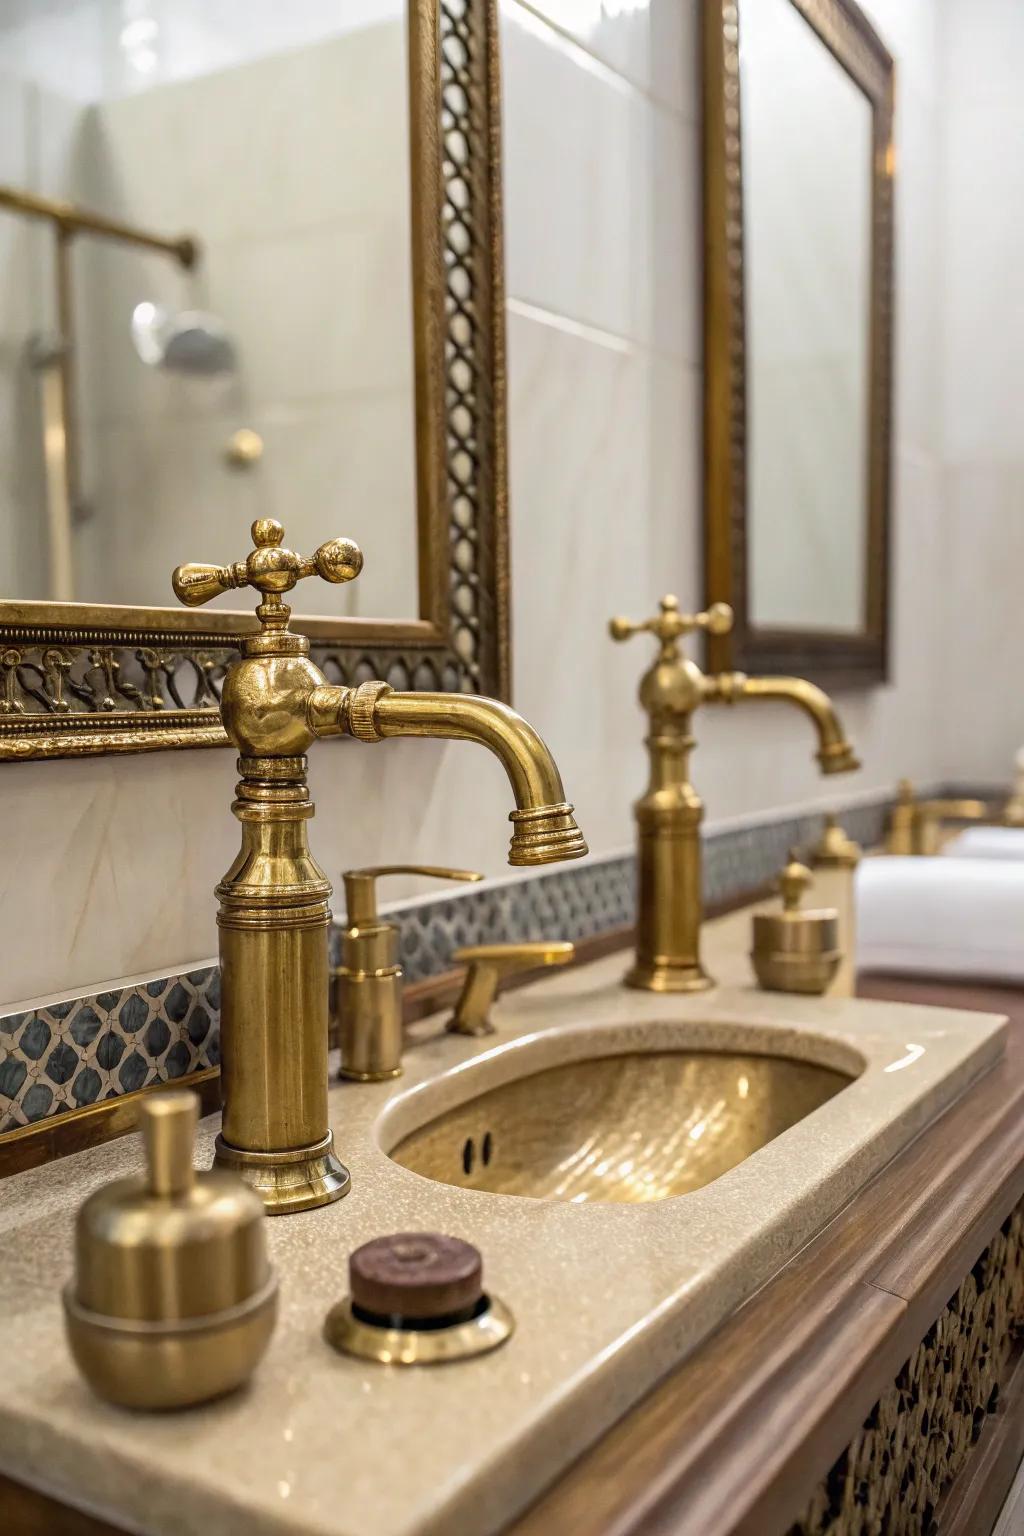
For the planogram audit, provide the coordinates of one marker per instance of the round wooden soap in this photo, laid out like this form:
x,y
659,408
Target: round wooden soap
x,y
421,1276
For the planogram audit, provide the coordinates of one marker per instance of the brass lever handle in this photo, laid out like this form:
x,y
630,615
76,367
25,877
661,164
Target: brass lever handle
x,y
668,625
488,963
269,567
361,886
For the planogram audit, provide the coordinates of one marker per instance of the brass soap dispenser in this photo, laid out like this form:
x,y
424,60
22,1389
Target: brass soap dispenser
x,y
173,1300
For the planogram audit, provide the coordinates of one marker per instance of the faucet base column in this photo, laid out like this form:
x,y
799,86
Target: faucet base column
x,y
652,977
296,1180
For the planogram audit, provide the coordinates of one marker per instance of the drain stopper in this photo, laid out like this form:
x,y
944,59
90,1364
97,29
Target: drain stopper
x,y
416,1277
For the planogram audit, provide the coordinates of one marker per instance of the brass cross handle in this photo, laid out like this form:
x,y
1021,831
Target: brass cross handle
x,y
487,964
669,624
270,568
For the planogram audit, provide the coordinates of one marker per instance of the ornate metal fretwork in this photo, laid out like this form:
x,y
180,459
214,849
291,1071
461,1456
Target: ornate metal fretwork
x,y
917,1438
68,676
63,697
94,679
473,352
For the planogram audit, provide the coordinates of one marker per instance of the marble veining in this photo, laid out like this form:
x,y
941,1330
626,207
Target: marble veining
x,y
606,1296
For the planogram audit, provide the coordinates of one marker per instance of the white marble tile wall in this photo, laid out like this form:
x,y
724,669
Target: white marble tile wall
x,y
982,419
109,865
59,44
307,265
37,132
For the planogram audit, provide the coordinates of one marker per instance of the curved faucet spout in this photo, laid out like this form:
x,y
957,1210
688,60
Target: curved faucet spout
x,y
835,754
544,829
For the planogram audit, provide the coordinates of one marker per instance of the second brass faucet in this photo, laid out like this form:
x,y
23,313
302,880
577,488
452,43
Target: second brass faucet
x,y
919,826
669,813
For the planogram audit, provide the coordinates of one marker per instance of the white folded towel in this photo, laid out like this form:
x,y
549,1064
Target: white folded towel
x,y
986,843
941,917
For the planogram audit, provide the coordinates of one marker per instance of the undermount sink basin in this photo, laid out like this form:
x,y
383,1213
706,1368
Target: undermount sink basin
x,y
628,1128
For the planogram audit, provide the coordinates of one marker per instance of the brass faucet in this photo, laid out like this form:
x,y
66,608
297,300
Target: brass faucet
x,y
274,913
669,814
916,826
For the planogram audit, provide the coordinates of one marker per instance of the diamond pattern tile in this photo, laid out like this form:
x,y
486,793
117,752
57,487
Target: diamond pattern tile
x,y
72,1054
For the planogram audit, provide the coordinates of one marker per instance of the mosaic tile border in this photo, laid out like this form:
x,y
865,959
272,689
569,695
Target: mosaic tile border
x,y
68,1055
72,1054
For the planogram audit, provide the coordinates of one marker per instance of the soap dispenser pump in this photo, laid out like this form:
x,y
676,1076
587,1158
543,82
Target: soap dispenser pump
x,y
173,1301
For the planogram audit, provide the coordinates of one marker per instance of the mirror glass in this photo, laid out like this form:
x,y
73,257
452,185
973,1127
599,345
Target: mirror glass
x,y
272,377
807,189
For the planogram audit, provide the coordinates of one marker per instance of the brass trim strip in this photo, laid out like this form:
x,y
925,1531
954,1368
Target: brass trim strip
x,y
60,1135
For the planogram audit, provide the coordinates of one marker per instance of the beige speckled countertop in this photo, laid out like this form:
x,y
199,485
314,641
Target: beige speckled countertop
x,y
607,1297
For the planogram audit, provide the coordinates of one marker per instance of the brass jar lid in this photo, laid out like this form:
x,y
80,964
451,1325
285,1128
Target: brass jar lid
x,y
173,1299
796,950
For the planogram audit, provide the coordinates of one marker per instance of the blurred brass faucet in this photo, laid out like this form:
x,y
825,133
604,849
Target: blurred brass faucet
x,y
669,814
274,913
920,826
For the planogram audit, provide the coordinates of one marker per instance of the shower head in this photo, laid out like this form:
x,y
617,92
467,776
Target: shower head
x,y
190,342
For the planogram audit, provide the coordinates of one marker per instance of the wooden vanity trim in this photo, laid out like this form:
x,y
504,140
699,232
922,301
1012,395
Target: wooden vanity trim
x,y
734,1441
27,1512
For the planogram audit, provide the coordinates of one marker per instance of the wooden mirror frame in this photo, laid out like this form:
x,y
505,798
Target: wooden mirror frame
x,y
840,659
84,678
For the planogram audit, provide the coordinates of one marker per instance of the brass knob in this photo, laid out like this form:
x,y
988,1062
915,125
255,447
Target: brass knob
x,y
244,448
488,963
669,624
173,1301
270,568
793,882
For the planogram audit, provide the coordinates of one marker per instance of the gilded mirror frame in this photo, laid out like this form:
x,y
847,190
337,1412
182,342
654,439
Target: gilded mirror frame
x,y
857,658
83,678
